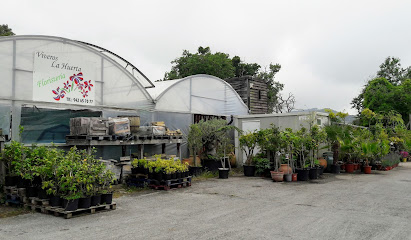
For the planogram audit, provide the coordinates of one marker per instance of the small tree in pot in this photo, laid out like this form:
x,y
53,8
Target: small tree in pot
x,y
248,142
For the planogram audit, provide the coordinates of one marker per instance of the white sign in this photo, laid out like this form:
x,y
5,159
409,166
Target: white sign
x,y
59,78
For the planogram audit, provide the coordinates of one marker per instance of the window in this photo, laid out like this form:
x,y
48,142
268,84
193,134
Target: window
x,y
259,94
319,121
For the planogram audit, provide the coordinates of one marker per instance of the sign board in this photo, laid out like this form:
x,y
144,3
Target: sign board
x,y
62,78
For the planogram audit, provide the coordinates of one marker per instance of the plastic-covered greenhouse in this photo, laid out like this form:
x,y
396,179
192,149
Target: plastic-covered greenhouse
x,y
48,80
40,78
182,102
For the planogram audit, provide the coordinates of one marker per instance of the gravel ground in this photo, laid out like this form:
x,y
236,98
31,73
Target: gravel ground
x,y
345,206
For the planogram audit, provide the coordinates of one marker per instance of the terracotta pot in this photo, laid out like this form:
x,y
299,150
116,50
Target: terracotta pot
x,y
285,169
367,169
355,166
294,176
342,166
323,162
190,160
277,176
349,168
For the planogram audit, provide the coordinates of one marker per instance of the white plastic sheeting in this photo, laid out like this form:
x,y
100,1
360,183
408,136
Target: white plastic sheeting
x,y
116,88
201,94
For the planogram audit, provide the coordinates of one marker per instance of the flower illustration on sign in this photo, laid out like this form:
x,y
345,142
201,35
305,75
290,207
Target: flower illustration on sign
x,y
67,85
88,85
76,84
84,93
60,94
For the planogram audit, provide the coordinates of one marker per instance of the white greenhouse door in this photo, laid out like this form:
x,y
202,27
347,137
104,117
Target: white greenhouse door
x,y
250,126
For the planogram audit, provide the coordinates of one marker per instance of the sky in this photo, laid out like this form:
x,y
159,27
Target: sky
x,y
327,49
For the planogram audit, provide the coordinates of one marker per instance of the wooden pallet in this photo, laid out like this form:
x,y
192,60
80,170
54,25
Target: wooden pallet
x,y
11,190
10,202
39,202
58,211
169,184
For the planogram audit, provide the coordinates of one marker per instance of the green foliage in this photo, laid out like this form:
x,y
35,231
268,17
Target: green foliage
x,y
5,30
248,142
221,65
210,135
261,164
273,87
390,90
203,62
71,174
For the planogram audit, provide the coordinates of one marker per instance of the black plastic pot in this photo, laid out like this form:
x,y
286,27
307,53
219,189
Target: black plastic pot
x,y
42,194
11,180
249,171
70,205
150,175
195,171
31,192
320,170
211,165
313,173
55,201
96,200
335,168
158,176
167,176
106,198
134,171
303,174
223,173
84,202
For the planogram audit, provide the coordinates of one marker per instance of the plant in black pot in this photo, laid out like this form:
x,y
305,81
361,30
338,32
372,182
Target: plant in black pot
x,y
195,144
12,156
248,143
262,166
107,179
301,138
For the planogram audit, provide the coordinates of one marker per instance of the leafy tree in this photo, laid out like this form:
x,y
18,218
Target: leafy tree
x,y
221,65
5,30
391,70
382,96
274,88
203,62
389,91
243,69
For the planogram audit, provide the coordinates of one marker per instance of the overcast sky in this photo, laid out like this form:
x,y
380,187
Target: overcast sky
x,y
327,50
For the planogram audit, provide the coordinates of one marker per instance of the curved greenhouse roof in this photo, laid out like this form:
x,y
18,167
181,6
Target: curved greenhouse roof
x,y
203,94
61,72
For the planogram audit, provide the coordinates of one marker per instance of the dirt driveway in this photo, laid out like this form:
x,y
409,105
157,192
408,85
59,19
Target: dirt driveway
x,y
346,206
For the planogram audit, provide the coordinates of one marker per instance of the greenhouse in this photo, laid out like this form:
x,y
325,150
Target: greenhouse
x,y
40,93
182,102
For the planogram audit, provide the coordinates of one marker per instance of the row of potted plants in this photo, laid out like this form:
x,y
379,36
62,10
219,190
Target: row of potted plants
x,y
379,143
161,169
73,179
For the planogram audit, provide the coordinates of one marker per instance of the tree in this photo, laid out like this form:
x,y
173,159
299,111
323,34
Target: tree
x,y
391,70
221,65
244,69
394,76
5,30
273,87
203,62
381,96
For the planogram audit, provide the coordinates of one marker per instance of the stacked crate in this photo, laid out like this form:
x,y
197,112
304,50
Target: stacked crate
x,y
89,126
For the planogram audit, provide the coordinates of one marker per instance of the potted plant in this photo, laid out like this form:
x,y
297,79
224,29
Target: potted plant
x,y
269,140
300,143
262,165
195,144
248,143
